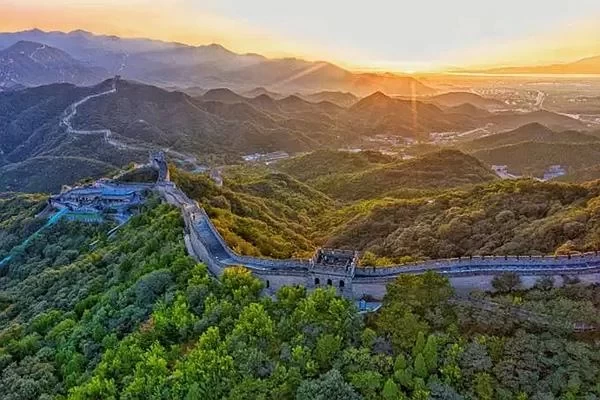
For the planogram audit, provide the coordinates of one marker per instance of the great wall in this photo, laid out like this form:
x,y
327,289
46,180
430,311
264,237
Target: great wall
x,y
339,268
204,243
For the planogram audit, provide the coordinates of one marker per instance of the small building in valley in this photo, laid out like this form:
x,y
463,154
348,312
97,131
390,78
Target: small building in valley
x,y
266,158
500,169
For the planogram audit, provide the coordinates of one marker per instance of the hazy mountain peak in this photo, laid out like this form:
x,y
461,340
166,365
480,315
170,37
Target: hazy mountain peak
x,y
263,100
34,31
534,126
378,95
260,91
29,51
81,32
293,99
216,46
377,98
223,95
25,45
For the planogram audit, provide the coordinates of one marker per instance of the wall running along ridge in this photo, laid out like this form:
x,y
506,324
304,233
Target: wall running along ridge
x,y
465,274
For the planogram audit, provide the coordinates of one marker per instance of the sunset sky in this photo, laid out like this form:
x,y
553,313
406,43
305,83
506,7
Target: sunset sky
x,y
395,35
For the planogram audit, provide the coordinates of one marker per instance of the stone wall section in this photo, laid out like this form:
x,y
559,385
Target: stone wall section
x,y
205,243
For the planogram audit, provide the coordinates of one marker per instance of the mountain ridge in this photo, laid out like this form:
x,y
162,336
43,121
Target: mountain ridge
x,y
584,66
211,66
533,132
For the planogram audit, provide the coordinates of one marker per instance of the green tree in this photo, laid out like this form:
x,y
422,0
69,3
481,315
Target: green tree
x,y
430,353
400,363
409,303
419,344
484,386
450,370
330,386
368,337
368,383
421,369
328,346
391,391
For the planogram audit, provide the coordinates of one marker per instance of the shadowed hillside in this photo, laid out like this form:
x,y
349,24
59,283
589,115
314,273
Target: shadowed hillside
x,y
528,133
193,125
17,218
48,174
531,158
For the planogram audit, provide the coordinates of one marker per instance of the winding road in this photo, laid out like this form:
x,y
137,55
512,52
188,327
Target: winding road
x,y
108,135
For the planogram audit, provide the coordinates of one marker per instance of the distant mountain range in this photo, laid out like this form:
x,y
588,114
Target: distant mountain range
x,y
589,65
178,65
342,99
456,99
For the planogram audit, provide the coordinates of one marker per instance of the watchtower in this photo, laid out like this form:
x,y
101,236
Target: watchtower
x,y
333,267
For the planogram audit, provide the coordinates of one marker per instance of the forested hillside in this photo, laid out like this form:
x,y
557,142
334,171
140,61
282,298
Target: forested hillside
x,y
528,133
64,302
531,158
369,176
48,174
504,218
132,317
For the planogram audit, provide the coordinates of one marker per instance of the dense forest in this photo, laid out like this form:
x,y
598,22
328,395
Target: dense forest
x,y
504,218
85,316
